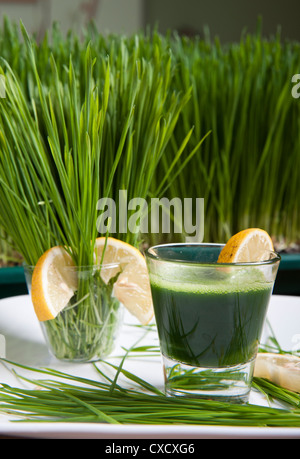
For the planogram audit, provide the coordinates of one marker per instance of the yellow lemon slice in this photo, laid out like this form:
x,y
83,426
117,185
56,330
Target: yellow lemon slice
x,y
281,369
52,285
249,245
132,287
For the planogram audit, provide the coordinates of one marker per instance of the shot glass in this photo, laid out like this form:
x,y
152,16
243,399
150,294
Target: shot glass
x,y
209,317
87,328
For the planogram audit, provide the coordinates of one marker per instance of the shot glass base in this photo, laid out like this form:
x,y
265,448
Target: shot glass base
x,y
228,384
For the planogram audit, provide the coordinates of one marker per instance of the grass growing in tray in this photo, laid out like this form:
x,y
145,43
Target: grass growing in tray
x,y
92,123
247,170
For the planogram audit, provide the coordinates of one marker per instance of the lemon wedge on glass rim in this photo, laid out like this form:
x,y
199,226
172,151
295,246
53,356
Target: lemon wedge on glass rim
x,y
53,286
249,245
132,287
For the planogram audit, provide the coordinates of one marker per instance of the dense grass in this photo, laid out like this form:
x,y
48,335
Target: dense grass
x,y
247,169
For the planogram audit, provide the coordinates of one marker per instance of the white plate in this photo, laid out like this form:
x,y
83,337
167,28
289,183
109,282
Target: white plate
x,y
25,344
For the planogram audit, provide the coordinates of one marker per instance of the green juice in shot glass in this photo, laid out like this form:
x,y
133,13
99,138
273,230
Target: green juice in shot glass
x,y
210,317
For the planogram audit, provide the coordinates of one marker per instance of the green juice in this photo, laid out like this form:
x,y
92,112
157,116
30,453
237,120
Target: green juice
x,y
210,325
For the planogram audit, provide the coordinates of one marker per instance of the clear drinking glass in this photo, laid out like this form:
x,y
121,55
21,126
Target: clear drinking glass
x,y
86,329
209,318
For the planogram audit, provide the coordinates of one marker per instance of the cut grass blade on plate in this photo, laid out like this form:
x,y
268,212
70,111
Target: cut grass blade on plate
x,y
66,402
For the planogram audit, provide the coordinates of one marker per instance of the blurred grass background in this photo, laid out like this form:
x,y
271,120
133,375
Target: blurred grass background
x,y
248,168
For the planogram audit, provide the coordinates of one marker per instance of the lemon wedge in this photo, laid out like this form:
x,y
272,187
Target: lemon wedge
x,y
281,369
249,245
52,285
132,287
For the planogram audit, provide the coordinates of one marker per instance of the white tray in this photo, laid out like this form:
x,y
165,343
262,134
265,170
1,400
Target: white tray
x,y
25,344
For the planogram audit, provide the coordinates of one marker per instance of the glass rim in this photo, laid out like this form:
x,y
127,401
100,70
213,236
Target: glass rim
x,y
150,254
